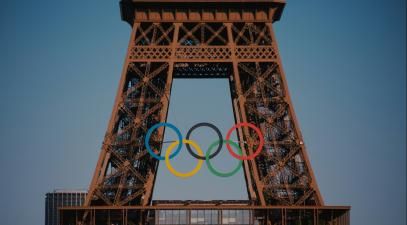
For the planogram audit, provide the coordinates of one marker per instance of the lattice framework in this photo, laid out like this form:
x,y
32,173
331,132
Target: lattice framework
x,y
235,47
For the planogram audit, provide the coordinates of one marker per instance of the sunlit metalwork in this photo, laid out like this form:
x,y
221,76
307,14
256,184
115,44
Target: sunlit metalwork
x,y
203,39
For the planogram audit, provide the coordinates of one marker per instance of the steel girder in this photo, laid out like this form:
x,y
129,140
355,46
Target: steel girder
x,y
246,53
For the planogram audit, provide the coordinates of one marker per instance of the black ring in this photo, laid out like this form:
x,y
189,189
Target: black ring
x,y
217,132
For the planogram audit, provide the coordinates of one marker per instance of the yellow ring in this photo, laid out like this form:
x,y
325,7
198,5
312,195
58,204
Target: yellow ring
x,y
179,174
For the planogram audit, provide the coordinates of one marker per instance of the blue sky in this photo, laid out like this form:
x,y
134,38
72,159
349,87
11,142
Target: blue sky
x,y
345,63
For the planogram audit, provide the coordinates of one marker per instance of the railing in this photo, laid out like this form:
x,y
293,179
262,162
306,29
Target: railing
x,y
205,53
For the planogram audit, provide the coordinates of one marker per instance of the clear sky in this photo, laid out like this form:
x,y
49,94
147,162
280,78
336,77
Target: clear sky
x,y
345,63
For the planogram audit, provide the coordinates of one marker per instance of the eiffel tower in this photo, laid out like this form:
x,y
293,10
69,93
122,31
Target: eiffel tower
x,y
205,39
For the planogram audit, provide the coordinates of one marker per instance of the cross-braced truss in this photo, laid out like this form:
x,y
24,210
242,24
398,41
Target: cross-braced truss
x,y
284,175
128,169
246,53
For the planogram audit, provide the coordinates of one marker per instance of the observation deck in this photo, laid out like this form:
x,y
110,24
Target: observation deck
x,y
201,10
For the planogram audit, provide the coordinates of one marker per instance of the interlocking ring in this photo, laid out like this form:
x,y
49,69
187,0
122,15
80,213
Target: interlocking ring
x,y
148,135
217,132
215,171
259,148
175,172
200,156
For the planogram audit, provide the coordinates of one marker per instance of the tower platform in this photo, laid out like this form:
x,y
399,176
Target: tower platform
x,y
207,212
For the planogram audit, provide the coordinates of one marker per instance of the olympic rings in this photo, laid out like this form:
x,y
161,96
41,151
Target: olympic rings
x,y
259,148
201,156
213,170
217,132
179,174
148,135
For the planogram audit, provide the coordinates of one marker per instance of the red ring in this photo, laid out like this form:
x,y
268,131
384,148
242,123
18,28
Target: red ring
x,y
259,148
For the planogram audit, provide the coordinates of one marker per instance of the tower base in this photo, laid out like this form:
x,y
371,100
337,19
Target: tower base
x,y
205,212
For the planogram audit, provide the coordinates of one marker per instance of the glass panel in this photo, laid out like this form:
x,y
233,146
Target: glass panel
x,y
241,217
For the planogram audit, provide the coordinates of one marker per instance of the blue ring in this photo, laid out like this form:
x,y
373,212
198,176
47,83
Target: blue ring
x,y
150,131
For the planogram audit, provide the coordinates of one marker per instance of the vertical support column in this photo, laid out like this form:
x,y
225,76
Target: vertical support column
x,y
251,216
104,155
76,217
61,217
287,98
188,216
93,217
220,216
250,168
267,216
165,100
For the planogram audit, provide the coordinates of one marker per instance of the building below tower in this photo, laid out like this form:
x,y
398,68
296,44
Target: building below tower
x,y
206,212
61,198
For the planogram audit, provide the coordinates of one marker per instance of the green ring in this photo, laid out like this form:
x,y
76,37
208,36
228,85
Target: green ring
x,y
212,169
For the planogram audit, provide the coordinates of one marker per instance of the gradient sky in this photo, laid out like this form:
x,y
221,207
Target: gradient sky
x,y
345,63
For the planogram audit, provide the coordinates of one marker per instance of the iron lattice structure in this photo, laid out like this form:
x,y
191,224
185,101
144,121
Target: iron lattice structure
x,y
231,39
204,39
